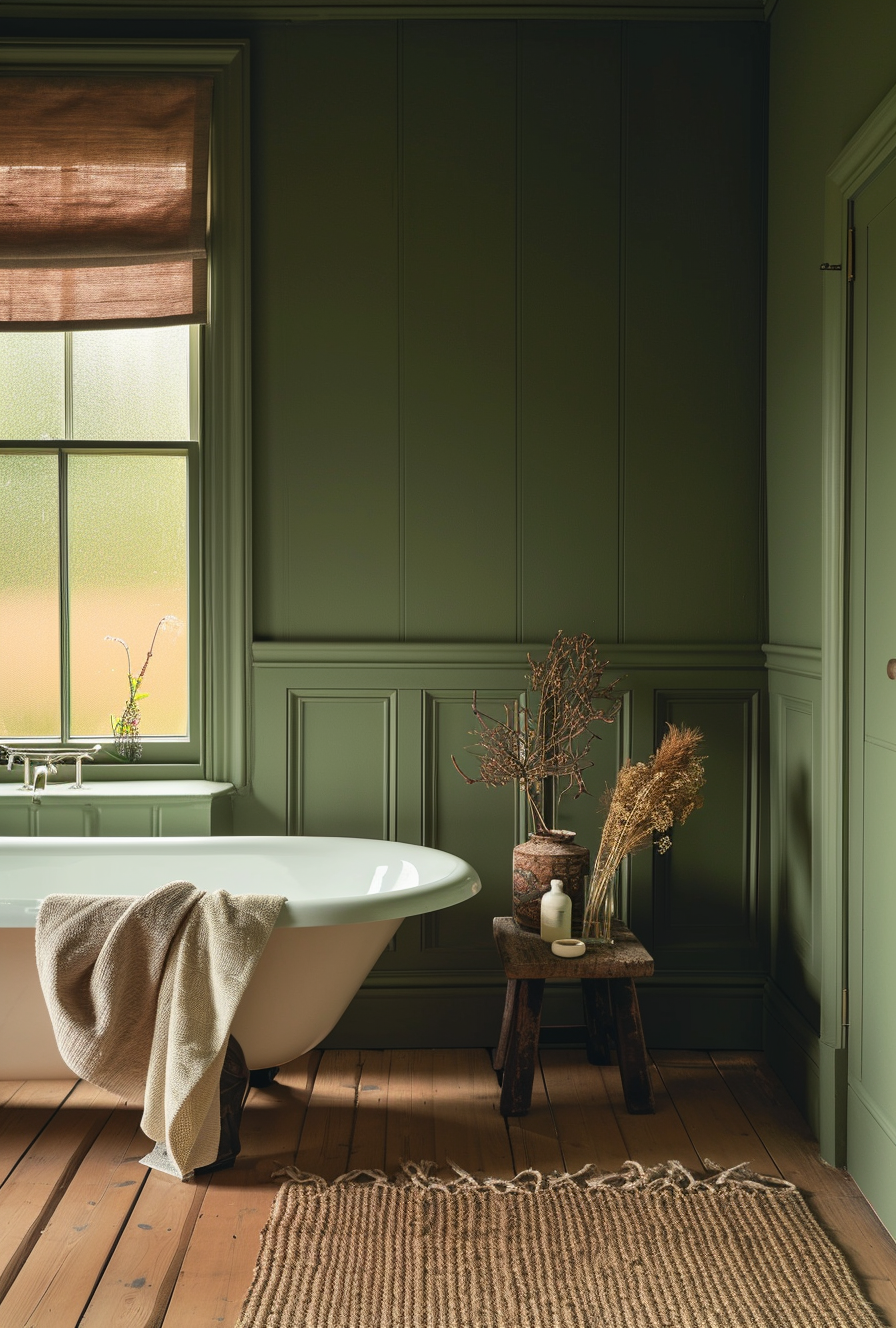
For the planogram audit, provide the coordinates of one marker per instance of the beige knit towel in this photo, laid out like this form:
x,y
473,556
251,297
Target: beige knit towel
x,y
142,992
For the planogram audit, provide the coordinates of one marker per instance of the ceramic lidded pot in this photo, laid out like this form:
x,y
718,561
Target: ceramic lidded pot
x,y
536,863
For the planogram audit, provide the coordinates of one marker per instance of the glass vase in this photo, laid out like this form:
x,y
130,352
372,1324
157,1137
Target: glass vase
x,y
599,909
603,927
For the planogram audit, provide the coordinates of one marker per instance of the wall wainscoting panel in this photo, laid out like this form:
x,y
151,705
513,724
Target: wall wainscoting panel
x,y
792,999
326,729
477,823
707,888
358,739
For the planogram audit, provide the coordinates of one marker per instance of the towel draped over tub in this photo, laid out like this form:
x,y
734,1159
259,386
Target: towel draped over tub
x,y
142,992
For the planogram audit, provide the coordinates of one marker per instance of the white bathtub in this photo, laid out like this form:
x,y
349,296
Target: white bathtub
x,y
344,901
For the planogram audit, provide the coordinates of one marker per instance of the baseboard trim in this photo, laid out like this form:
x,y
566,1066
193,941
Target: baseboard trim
x,y
872,1157
792,1047
700,1016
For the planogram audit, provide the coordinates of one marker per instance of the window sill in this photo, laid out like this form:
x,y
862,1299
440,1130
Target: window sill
x,y
143,790
132,808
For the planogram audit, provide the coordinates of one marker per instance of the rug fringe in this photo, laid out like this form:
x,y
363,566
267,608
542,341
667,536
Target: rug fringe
x,y
631,1177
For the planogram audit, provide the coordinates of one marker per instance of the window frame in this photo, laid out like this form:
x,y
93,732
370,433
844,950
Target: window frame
x,y
222,608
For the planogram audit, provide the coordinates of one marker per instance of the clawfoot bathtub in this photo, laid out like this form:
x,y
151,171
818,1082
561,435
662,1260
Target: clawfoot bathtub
x,y
345,899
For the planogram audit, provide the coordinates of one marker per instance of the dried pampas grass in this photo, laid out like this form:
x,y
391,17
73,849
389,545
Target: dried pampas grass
x,y
648,798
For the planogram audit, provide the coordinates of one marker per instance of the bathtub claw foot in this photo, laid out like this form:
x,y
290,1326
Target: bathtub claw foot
x,y
233,1092
263,1078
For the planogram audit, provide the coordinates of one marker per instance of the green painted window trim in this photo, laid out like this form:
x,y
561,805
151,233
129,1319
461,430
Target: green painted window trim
x,y
224,608
867,153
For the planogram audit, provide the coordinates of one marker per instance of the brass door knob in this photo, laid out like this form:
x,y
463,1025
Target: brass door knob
x,y
891,668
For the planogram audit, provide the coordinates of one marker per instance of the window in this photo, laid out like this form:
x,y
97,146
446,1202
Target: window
x,y
83,491
98,534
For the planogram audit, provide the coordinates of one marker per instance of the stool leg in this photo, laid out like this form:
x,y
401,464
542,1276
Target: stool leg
x,y
506,1026
522,1048
630,1047
598,1018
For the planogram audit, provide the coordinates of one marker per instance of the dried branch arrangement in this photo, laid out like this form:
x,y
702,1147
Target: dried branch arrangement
x,y
554,743
126,728
648,798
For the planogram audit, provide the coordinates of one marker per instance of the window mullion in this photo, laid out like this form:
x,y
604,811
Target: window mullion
x,y
69,434
64,641
64,651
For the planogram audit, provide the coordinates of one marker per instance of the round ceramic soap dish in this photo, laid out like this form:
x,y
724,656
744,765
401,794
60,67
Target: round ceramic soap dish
x,y
568,949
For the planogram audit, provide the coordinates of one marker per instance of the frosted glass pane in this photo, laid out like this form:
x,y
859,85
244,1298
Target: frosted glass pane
x,y
29,599
127,526
32,385
132,385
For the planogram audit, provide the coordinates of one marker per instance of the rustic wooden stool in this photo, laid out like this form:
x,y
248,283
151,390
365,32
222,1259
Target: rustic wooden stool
x,y
607,974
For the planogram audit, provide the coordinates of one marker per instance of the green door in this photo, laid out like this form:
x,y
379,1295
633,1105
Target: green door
x,y
871,1093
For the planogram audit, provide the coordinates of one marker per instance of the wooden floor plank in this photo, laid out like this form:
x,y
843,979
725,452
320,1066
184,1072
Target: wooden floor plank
x,y
185,1253
8,1089
35,1187
882,1295
585,1121
469,1128
832,1194
368,1148
669,1056
410,1109
533,1138
25,1114
651,1139
717,1125
779,1124
223,1248
326,1139
59,1276
136,1286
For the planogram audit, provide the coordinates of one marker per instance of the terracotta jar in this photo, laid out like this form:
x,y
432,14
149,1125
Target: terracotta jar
x,y
538,862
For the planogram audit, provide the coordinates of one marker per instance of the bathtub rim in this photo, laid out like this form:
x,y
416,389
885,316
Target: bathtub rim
x,y
459,881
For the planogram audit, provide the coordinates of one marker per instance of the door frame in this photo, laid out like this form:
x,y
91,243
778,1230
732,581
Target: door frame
x,y
871,149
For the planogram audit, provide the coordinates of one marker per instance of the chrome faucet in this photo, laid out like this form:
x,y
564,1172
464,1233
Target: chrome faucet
x,y
49,760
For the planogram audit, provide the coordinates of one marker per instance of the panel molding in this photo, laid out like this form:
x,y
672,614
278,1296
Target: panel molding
x,y
297,703
795,783
491,654
684,936
804,661
751,11
785,705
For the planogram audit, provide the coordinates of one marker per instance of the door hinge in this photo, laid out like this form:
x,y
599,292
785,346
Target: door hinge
x,y
844,1009
851,254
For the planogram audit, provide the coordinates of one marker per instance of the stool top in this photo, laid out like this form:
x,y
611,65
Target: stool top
x,y
525,955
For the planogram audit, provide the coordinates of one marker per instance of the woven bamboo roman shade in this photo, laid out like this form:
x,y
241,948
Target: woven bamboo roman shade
x,y
103,201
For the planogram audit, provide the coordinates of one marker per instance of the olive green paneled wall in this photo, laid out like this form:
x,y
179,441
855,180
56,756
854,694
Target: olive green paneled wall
x,y
507,325
357,739
507,298
830,66
506,302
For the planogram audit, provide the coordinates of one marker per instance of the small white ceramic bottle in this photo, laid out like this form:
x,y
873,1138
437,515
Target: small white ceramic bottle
x,y
556,914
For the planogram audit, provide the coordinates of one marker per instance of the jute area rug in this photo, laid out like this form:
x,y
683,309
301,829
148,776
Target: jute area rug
x,y
641,1248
